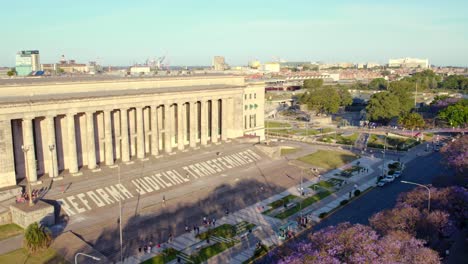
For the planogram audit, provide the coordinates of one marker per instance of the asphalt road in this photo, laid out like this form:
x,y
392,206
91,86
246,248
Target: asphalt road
x,y
421,170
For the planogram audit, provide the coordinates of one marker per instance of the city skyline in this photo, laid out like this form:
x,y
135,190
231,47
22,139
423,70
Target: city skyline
x,y
192,33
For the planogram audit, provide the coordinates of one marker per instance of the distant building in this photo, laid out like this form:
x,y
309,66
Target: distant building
x,y
371,65
140,70
255,64
27,61
408,63
272,67
219,63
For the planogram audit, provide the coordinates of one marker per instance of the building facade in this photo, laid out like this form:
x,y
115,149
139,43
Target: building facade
x,y
408,63
219,63
62,129
27,61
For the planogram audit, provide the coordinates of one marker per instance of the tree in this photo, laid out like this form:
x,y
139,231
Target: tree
x,y
36,238
351,244
456,154
322,100
345,97
458,82
383,107
11,72
402,90
313,83
412,121
378,84
457,114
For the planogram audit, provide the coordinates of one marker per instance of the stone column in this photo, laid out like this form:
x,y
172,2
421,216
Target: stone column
x,y
90,140
224,119
204,122
180,126
52,146
140,133
125,140
214,121
108,138
28,143
193,127
154,131
167,129
72,155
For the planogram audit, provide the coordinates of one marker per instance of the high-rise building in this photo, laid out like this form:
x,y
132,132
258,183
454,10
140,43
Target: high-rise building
x,y
219,64
27,61
409,63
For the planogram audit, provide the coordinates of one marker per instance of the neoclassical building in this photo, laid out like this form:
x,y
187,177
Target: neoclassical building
x,y
52,129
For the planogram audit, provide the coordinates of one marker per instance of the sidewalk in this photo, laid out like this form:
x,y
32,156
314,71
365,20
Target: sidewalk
x,y
266,226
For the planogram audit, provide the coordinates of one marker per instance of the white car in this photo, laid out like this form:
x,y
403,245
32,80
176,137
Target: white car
x,y
381,183
389,178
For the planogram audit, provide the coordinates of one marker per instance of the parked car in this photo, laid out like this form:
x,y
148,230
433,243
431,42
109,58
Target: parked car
x,y
381,183
389,178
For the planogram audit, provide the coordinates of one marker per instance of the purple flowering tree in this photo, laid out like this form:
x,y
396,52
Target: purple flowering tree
x,y
456,154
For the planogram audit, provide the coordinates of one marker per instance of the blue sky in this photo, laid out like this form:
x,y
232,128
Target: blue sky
x,y
192,32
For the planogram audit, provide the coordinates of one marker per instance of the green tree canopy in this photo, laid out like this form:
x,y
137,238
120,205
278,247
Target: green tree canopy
x,y
458,82
345,97
383,106
402,90
323,100
457,114
378,84
313,84
412,121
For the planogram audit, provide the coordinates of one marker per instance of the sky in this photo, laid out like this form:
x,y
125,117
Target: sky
x,y
188,33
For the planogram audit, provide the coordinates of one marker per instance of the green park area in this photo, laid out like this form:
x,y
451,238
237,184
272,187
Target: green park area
x,y
328,159
273,124
393,143
304,203
166,256
286,150
328,184
22,256
341,138
207,252
281,202
10,230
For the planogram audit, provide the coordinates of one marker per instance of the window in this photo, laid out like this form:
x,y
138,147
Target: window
x,y
255,95
246,107
245,96
250,96
255,120
245,122
250,121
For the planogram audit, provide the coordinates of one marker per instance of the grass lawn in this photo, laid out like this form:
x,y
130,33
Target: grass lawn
x,y
168,255
306,202
22,256
225,230
273,124
286,151
210,251
328,159
395,143
323,184
10,230
340,139
278,203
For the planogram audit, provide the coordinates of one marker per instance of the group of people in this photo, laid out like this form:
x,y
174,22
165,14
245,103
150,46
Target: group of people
x,y
146,248
23,197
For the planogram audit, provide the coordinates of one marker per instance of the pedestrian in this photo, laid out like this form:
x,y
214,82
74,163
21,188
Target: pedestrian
x,y
208,240
213,221
149,249
204,220
194,228
170,237
139,249
187,228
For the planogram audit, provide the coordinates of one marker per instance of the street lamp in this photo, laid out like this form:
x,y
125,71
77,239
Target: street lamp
x,y
120,223
25,152
51,148
384,148
86,255
428,189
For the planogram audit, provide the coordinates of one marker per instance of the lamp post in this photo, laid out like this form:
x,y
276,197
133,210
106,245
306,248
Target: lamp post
x,y
51,148
120,223
428,190
25,152
86,255
384,148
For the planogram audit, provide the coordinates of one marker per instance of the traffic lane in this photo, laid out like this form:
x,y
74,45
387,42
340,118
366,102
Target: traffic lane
x,y
421,170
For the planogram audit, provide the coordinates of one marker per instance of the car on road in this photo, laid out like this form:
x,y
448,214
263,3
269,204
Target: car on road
x,y
389,178
436,149
396,174
381,183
